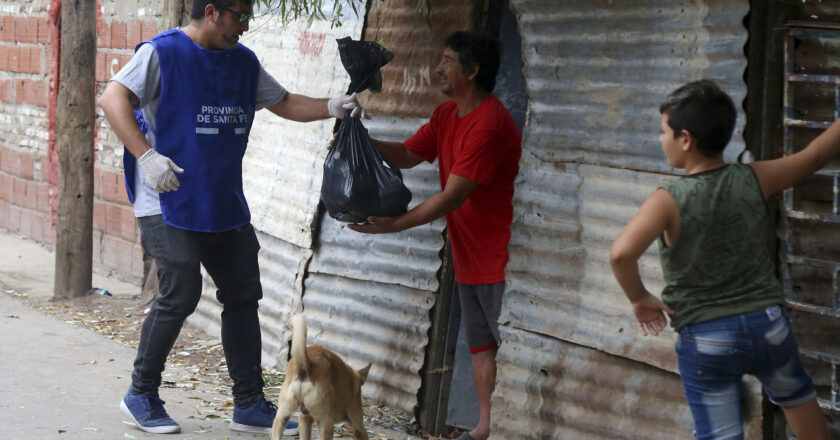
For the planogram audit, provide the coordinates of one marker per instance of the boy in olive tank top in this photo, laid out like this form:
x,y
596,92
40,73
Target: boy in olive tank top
x,y
721,291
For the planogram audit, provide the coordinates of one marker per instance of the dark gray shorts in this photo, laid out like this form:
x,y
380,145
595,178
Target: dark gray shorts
x,y
481,305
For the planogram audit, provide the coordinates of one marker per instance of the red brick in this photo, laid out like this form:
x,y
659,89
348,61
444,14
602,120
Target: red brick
x,y
39,228
4,57
108,186
103,31
113,188
129,224
23,59
40,90
7,186
100,67
25,224
32,29
97,184
14,59
20,29
113,219
20,164
133,34
44,197
6,91
98,215
4,214
19,86
118,30
35,56
148,30
43,31
8,26
31,196
4,159
117,253
97,248
29,90
14,218
19,196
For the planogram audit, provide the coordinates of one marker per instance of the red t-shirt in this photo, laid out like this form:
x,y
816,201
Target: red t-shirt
x,y
483,146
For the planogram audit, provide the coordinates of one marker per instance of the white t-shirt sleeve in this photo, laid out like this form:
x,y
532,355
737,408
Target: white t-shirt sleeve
x,y
269,91
142,75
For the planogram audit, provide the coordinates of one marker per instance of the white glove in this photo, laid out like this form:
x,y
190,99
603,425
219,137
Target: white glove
x,y
337,105
158,170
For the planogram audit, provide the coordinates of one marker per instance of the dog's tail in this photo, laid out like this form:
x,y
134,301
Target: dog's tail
x,y
299,342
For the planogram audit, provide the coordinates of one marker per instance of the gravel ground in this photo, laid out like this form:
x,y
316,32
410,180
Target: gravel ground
x,y
120,317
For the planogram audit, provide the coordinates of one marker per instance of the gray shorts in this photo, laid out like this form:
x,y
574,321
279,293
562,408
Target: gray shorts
x,y
481,305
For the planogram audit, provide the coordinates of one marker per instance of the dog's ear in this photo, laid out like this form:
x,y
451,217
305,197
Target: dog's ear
x,y
363,373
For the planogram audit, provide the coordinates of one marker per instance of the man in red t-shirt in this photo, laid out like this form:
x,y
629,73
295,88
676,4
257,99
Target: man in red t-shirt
x,y
477,145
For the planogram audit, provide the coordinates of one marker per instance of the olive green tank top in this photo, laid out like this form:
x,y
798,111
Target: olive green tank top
x,y
721,263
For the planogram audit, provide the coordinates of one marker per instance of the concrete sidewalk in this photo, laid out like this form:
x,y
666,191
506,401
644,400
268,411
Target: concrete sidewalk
x,y
59,380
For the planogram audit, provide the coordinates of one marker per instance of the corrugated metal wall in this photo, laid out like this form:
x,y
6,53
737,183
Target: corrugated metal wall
x,y
596,72
369,297
410,84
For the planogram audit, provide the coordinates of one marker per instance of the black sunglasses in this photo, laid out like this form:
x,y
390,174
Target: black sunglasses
x,y
243,16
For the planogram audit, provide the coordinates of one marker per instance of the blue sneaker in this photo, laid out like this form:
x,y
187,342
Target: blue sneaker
x,y
148,413
258,418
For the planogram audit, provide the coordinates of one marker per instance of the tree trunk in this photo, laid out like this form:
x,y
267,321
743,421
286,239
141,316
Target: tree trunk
x,y
75,119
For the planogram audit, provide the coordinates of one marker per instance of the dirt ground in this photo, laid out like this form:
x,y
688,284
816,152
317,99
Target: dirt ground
x,y
120,317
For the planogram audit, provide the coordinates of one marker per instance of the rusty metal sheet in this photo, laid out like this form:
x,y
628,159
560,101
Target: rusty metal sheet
x,y
370,322
548,388
282,168
410,258
559,280
410,85
282,269
376,291
597,71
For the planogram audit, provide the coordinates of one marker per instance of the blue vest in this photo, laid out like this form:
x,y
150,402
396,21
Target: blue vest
x,y
204,117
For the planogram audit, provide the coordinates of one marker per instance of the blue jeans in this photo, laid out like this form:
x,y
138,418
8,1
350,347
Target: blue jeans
x,y
230,258
714,355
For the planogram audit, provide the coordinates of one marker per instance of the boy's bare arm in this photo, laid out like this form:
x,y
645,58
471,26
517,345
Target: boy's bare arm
x,y
779,174
657,215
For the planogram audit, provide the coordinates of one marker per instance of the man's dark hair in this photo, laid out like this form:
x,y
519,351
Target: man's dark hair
x,y
477,49
705,111
199,5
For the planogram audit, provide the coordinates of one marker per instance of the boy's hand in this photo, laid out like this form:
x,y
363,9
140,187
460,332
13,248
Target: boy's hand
x,y
649,314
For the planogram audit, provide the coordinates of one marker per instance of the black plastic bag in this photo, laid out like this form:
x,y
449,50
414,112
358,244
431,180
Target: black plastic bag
x,y
358,181
362,60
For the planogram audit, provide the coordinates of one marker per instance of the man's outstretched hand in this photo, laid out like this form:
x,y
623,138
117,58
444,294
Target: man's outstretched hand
x,y
339,104
377,225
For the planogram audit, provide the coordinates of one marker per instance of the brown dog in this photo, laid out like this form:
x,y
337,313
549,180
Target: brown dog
x,y
325,389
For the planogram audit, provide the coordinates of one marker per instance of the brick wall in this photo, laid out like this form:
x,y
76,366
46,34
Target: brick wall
x,y
28,166
116,237
24,126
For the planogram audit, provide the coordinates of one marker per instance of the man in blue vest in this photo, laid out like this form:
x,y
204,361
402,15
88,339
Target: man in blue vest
x,y
195,90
